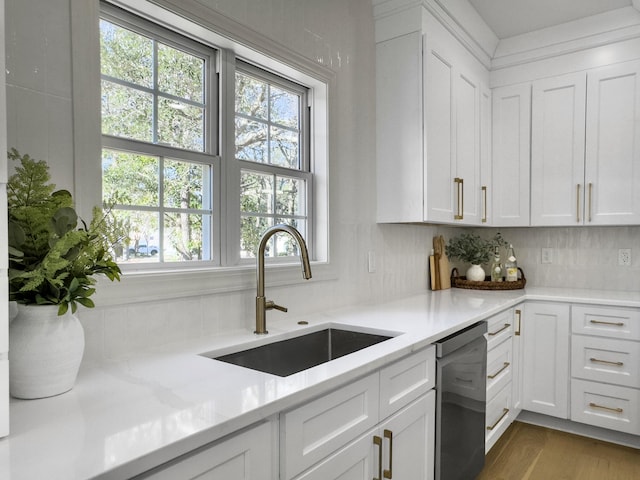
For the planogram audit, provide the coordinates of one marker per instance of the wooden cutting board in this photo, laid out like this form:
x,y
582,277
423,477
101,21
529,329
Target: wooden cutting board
x,y
443,266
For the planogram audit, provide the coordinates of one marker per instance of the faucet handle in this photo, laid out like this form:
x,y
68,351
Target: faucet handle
x,y
270,304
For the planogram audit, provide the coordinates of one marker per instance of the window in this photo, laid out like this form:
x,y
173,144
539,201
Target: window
x,y
271,147
157,161
160,97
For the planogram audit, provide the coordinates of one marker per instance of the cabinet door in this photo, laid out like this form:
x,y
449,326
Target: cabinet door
x,y
401,448
439,111
409,441
485,157
356,461
246,456
545,337
517,375
557,150
399,129
467,152
613,145
313,431
511,142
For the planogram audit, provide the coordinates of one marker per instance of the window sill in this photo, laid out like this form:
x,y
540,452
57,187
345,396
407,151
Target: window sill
x,y
138,287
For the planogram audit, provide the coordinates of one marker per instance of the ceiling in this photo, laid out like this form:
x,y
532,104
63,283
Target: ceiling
x,y
513,17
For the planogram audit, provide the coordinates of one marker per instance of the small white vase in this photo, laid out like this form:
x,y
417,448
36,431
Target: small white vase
x,y
475,273
45,351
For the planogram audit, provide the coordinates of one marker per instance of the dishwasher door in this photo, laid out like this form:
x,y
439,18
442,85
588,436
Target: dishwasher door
x,y
461,372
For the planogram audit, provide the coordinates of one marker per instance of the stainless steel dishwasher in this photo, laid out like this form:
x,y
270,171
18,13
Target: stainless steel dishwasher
x,y
461,369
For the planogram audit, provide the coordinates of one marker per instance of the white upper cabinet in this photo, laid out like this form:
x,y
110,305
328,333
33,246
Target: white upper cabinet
x,y
585,149
612,157
511,155
557,150
431,133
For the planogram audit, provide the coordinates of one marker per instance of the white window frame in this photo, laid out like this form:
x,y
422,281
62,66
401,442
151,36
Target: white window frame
x,y
192,19
208,156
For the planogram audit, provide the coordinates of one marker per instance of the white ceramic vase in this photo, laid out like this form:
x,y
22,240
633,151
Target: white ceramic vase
x,y
45,351
475,273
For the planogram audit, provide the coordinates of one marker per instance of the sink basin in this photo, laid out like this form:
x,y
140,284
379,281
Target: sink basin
x,y
293,355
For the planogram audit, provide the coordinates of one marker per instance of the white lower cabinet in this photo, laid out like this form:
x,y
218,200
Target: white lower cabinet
x,y
502,374
384,421
401,447
545,353
607,406
249,455
605,367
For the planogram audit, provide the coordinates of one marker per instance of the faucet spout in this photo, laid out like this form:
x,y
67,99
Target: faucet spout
x,y
262,304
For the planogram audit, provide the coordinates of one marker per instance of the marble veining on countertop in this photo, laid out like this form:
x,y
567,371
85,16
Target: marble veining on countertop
x,y
127,415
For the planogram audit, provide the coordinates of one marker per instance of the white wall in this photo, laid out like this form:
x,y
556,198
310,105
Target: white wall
x,y
338,34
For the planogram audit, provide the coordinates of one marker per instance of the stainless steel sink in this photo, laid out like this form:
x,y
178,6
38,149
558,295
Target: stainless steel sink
x,y
293,355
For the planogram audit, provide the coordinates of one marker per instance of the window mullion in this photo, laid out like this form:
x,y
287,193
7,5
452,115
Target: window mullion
x,y
154,122
161,204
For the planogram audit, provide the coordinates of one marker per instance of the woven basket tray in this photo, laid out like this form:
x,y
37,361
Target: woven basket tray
x,y
462,282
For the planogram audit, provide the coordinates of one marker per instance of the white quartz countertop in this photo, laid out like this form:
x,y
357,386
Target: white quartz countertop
x,y
128,415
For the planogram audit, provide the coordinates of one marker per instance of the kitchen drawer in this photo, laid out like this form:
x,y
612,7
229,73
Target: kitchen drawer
x,y
318,428
612,322
607,406
499,328
499,367
407,379
498,416
606,360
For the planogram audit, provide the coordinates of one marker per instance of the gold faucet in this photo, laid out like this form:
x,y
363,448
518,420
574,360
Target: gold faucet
x,y
262,304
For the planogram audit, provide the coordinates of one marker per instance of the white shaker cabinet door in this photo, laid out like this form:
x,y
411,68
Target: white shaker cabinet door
x,y
545,342
612,158
511,157
442,199
247,456
557,150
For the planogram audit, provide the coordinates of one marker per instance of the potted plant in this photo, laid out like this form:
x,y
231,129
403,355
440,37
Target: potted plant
x,y
473,249
53,258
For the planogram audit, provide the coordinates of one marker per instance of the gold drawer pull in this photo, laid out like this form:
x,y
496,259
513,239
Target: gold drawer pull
x,y
506,364
504,413
389,473
460,194
506,325
602,322
519,314
378,441
484,194
595,405
607,362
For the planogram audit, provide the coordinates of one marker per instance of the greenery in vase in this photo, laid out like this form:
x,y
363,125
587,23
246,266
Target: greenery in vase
x,y
473,249
53,260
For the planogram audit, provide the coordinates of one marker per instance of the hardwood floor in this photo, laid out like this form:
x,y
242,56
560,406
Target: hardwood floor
x,y
529,452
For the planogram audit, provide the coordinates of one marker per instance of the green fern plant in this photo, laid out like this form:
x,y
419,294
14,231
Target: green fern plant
x,y
54,255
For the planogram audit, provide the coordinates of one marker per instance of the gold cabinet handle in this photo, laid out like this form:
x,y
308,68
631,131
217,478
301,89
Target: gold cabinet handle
x,y
378,441
505,365
506,325
578,204
504,413
590,191
606,362
389,435
460,193
602,322
519,315
484,196
595,405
